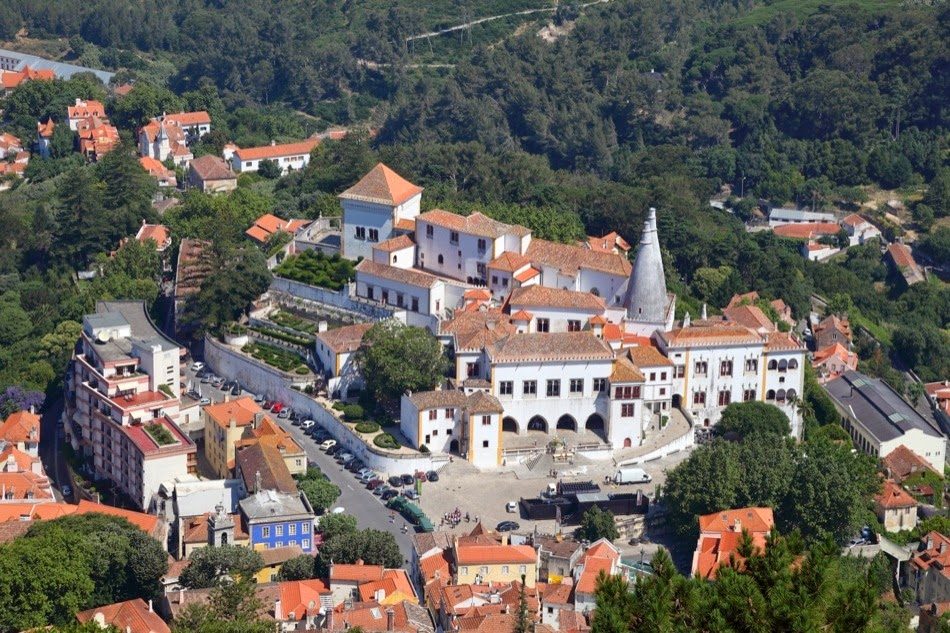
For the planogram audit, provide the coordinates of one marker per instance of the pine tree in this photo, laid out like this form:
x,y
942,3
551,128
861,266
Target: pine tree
x,y
523,623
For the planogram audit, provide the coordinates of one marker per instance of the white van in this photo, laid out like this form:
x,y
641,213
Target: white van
x,y
632,476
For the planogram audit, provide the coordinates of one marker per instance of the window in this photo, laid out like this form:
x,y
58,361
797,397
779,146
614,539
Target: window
x,y
486,420
494,280
505,388
435,433
553,388
773,364
504,282
725,397
600,384
663,375
360,233
265,532
701,367
278,530
449,413
627,393
292,529
577,385
385,296
480,269
464,570
472,369
725,368
699,398
748,395
433,414
415,304
453,237
679,372
374,235
529,387
369,293
543,325
279,544
770,394
662,391
522,569
626,410
573,325
484,443
441,259
430,231
482,246
483,570
504,569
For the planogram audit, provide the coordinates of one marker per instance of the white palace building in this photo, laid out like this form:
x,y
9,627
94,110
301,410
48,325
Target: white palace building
x,y
549,337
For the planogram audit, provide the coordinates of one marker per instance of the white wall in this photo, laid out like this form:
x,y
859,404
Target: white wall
x,y
931,448
429,300
460,261
365,215
557,317
157,470
606,285
484,449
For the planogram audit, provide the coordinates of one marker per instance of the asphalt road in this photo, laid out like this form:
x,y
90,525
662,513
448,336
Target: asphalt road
x,y
54,462
354,497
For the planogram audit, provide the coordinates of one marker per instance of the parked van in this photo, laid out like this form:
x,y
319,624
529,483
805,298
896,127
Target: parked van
x,y
632,476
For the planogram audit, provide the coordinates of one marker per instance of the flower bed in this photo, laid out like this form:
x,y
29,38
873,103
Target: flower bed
x,y
160,434
275,357
385,440
367,427
293,322
280,335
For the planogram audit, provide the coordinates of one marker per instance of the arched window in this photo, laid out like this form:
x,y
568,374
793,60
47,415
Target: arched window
x,y
791,394
770,394
780,396
594,291
772,363
793,364
441,259
783,365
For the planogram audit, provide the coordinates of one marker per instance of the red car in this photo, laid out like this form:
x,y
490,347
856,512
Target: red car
x,y
374,484
277,408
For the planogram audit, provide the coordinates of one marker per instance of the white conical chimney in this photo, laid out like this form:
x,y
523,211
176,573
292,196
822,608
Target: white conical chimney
x,y
646,298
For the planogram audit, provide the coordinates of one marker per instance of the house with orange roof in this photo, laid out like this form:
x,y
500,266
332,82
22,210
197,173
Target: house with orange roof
x,y
720,534
11,79
224,425
84,109
26,512
498,563
345,579
602,557
555,309
380,206
131,616
158,233
157,170
22,461
21,430
859,229
268,225
268,433
303,601
9,145
424,296
902,462
336,351
170,136
97,137
807,230
832,361
393,587
831,330
372,617
895,508
398,251
751,316
44,136
211,174
609,243
927,573
902,261
18,485
287,156
511,270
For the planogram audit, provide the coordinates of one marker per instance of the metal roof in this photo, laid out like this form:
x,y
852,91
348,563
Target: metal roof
x,y
62,70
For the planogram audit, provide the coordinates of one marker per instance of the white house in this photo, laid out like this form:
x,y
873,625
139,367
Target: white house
x,y
509,271
657,372
879,419
816,251
716,363
467,334
84,109
859,230
573,267
398,252
335,349
379,206
451,421
554,309
408,289
288,156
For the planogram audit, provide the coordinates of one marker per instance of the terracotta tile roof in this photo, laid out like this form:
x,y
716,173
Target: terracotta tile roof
x,y
24,485
853,220
602,548
280,555
647,356
569,258
10,79
157,232
425,542
277,150
509,262
477,294
268,224
522,315
268,433
148,523
131,616
437,565
933,553
401,275
557,594
538,296
12,530
751,519
625,371
525,275
555,346
10,143
23,461
750,316
302,597
210,167
83,109
587,582
474,330
838,351
241,409
346,338
96,136
372,617
710,335
806,230
483,402
835,322
475,224
22,426
570,621
397,243
34,510
439,399
195,529
405,224
382,186
900,254
45,129
189,118
395,586
747,298
358,572
268,461
154,167
893,496
495,554
782,342
176,136
607,243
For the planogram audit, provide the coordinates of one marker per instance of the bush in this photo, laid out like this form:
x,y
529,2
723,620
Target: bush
x,y
385,440
352,412
339,406
424,449
302,371
367,427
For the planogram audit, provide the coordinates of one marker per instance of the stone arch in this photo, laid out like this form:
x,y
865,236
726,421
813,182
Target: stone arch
x,y
454,446
595,424
538,423
509,425
780,395
441,259
566,422
791,395
677,400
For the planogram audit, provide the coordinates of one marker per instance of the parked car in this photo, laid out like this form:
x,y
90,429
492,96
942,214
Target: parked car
x,y
410,494
205,379
381,489
217,382
395,481
347,458
267,405
204,401
389,494
338,510
407,480
197,366
306,424
354,465
507,526
284,414
277,408
344,455
319,435
365,470
334,449
367,477
373,484
432,475
258,399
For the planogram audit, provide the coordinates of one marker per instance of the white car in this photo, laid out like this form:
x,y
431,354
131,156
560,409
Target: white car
x,y
197,366
338,510
306,424
327,445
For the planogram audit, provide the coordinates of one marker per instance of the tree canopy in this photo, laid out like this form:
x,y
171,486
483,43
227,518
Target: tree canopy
x,y
741,419
395,358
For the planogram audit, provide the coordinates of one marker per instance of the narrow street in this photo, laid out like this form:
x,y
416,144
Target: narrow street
x,y
51,453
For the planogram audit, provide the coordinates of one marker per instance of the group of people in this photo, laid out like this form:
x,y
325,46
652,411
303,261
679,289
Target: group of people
x,y
455,517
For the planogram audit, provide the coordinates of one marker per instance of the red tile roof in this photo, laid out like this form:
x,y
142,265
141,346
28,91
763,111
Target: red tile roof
x,y
302,598
382,186
625,371
853,220
189,118
901,255
537,296
22,426
607,243
397,243
148,523
494,554
10,79
157,232
933,553
268,224
525,275
474,330
647,356
23,461
45,129
748,298
24,485
241,409
394,581
131,616
554,346
721,534
750,316
717,334
751,519
401,275
358,572
84,109
892,496
509,262
347,338
587,582
435,565
210,167
277,150
569,258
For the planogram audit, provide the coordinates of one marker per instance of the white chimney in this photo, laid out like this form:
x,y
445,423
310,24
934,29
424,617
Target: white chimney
x,y
322,326
278,611
704,312
150,610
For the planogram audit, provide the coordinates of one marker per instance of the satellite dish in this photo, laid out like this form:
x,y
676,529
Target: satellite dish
x,y
102,336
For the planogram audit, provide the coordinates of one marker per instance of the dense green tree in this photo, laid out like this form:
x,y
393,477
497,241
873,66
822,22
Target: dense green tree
x,y
144,101
299,568
233,608
597,524
237,276
332,525
741,419
373,547
938,193
15,323
210,566
127,184
395,358
268,169
320,491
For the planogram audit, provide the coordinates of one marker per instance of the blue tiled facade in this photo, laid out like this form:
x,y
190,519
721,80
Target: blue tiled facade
x,y
276,519
283,533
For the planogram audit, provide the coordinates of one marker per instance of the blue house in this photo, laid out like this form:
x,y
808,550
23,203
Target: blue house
x,y
278,519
